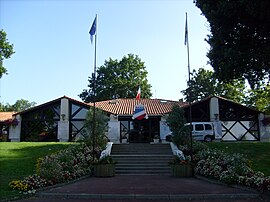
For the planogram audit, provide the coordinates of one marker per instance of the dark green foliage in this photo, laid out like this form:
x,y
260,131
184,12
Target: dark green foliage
x,y
101,126
19,105
176,121
6,50
204,83
259,98
240,38
119,79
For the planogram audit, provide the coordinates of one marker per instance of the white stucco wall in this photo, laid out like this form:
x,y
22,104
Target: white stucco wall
x,y
64,109
237,130
114,129
63,124
264,130
164,129
265,134
63,131
15,131
214,109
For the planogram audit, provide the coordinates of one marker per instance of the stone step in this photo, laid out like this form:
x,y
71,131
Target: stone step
x,y
128,147
140,159
145,172
142,151
141,155
141,167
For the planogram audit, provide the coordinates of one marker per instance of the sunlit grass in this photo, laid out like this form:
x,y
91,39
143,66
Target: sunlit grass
x,y
18,159
257,152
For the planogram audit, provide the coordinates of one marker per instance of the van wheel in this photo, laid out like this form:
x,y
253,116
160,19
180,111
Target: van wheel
x,y
207,138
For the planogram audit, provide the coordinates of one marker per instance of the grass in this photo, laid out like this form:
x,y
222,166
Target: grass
x,y
257,152
18,159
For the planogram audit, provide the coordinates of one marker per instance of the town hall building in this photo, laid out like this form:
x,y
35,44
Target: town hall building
x,y
63,119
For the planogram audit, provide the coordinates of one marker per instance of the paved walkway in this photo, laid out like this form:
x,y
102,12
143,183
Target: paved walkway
x,y
145,188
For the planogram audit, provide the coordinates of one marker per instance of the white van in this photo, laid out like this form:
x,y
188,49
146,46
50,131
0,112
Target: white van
x,y
202,131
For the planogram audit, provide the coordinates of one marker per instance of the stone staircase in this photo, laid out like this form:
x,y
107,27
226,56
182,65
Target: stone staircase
x,y
142,158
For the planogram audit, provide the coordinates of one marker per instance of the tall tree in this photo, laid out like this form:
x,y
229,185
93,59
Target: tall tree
x,y
119,79
6,50
205,83
19,105
240,38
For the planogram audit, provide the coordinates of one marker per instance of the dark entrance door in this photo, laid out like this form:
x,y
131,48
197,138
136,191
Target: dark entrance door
x,y
139,131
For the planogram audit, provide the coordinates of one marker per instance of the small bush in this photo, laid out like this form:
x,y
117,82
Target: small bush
x,y
176,121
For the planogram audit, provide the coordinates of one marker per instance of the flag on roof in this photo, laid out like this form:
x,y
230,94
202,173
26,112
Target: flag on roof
x,y
93,29
138,96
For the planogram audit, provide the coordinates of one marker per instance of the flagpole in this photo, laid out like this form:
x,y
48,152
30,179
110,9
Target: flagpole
x,y
94,91
189,94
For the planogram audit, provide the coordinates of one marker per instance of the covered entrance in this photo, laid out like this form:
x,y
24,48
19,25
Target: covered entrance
x,y
139,131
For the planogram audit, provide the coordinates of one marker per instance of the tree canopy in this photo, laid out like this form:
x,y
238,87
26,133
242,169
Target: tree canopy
x,y
240,38
6,50
19,105
204,83
259,98
119,79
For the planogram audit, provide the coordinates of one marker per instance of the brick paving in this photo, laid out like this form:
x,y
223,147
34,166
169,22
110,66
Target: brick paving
x,y
146,188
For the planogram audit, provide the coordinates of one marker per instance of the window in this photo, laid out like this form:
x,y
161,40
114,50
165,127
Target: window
x,y
199,127
208,127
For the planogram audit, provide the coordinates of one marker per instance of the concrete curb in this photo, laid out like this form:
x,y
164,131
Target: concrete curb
x,y
147,196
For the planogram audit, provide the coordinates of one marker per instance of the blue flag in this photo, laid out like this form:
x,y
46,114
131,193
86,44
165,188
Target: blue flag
x,y
93,29
186,32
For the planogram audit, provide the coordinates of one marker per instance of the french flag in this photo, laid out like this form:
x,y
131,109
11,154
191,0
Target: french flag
x,y
138,96
139,112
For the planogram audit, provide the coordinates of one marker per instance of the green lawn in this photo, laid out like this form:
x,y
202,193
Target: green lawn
x,y
257,152
18,159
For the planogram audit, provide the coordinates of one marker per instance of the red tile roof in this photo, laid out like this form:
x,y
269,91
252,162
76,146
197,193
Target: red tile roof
x,y
4,116
126,106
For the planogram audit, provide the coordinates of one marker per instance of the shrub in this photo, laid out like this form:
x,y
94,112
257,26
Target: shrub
x,y
101,126
176,121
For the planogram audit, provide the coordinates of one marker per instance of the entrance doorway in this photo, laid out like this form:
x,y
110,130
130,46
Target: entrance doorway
x,y
139,131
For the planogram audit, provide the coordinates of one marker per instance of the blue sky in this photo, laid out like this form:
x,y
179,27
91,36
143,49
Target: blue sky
x,y
54,55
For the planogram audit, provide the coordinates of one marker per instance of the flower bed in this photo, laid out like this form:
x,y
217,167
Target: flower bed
x,y
229,168
63,166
